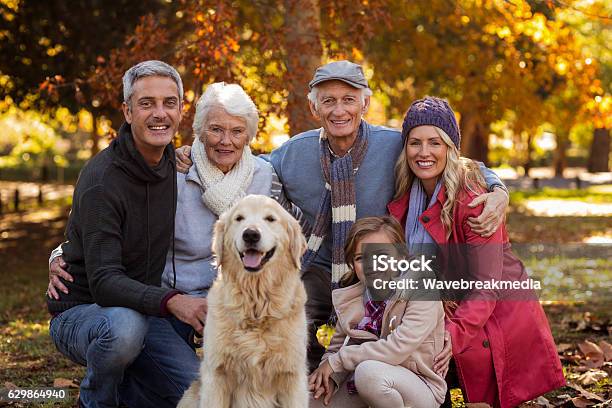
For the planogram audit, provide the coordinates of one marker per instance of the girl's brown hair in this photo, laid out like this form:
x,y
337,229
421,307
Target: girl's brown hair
x,y
360,229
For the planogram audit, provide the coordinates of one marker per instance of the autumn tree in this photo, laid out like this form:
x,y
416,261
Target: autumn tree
x,y
303,52
487,57
591,25
54,46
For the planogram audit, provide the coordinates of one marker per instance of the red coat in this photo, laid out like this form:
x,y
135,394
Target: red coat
x,y
504,351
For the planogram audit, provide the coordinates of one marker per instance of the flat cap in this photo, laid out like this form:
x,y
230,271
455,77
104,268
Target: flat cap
x,y
344,71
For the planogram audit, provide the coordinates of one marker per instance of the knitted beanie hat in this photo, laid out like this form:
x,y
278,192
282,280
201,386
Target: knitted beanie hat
x,y
434,112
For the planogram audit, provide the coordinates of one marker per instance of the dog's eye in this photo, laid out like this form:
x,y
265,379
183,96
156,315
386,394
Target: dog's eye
x,y
270,218
239,218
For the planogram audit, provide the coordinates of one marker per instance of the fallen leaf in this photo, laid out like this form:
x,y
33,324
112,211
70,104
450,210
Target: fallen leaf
x,y
585,393
543,402
10,385
581,402
64,383
582,369
592,377
593,354
562,347
607,349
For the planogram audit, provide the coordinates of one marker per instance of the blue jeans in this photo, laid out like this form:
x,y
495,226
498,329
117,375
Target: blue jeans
x,y
184,330
136,359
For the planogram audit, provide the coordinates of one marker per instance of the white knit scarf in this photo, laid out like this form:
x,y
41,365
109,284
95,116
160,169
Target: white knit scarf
x,y
221,190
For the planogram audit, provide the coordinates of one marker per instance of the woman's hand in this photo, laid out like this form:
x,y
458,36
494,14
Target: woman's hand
x,y
442,360
493,213
183,160
319,382
56,271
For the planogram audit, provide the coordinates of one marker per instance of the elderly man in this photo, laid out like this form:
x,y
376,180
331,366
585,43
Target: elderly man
x,y
111,317
342,172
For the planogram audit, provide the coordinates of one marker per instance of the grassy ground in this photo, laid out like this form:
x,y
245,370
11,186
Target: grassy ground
x,y
593,194
28,359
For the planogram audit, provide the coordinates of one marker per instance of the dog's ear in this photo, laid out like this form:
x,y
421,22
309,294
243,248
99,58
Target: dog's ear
x,y
298,242
219,233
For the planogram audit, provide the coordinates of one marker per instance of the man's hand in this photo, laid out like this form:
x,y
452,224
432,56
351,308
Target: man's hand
x,y
183,160
493,214
57,270
319,383
442,360
189,309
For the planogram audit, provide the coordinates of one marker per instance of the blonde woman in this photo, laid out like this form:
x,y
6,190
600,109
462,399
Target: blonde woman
x,y
503,350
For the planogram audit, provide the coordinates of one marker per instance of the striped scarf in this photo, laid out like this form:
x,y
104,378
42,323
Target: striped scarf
x,y
337,204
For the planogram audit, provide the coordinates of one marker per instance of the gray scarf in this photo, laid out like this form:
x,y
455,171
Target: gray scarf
x,y
417,237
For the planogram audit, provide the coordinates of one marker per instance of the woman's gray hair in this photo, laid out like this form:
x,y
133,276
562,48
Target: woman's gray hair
x,y
146,69
314,92
232,99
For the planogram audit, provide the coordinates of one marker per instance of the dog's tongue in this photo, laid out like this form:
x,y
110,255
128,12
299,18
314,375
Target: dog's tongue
x,y
252,259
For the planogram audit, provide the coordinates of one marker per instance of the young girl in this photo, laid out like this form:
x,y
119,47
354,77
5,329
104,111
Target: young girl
x,y
503,350
382,352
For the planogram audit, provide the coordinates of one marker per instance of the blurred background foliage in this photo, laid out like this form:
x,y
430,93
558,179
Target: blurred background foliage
x,y
530,80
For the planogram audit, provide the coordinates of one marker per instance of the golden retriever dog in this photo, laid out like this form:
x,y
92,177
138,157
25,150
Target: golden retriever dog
x,y
255,332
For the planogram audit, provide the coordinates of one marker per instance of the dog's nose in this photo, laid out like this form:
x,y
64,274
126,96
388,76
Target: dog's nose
x,y
251,236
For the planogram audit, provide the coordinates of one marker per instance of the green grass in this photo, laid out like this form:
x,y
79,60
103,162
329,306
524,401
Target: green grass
x,y
594,194
566,279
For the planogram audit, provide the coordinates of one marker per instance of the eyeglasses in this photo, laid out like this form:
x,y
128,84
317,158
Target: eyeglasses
x,y
218,132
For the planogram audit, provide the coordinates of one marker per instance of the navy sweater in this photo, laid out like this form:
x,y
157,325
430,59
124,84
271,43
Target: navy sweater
x,y
119,230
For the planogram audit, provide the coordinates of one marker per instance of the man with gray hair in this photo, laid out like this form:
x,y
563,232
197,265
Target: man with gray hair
x,y
111,318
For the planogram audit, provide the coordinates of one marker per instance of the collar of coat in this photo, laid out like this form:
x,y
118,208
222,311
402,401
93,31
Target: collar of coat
x,y
430,218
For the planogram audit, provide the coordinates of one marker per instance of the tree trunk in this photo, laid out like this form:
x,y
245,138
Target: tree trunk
x,y
600,151
474,137
529,153
303,52
560,156
95,138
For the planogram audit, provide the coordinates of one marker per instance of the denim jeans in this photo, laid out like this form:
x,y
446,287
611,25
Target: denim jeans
x,y
184,330
136,359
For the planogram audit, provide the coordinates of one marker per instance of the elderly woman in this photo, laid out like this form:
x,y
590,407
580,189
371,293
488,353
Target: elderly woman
x,y
224,171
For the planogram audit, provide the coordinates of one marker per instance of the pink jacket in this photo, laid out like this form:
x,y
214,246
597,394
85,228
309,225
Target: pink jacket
x,y
504,351
412,335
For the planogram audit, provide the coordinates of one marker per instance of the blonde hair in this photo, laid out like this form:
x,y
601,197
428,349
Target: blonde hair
x,y
459,173
358,231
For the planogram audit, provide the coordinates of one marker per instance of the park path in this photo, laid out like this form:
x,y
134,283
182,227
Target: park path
x,y
29,194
